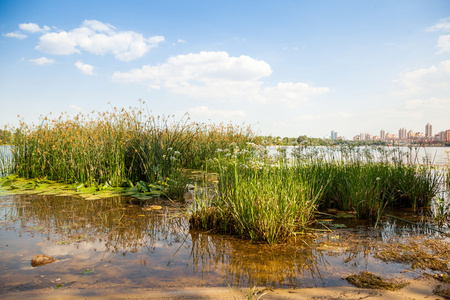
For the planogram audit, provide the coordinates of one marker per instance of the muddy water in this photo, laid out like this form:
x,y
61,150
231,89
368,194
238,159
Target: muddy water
x,y
116,243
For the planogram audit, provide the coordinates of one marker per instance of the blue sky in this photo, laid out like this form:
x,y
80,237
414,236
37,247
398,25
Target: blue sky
x,y
287,68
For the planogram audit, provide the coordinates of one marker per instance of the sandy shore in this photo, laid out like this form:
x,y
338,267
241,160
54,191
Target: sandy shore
x,y
417,289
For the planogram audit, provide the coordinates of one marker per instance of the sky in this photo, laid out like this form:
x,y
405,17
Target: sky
x,y
286,68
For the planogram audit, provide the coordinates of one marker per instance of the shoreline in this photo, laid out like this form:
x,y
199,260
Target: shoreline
x,y
420,288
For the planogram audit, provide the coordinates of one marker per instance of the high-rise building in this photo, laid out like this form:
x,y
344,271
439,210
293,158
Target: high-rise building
x,y
382,135
447,136
428,131
402,134
334,135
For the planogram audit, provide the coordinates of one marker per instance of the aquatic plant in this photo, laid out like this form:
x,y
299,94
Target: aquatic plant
x,y
258,197
116,148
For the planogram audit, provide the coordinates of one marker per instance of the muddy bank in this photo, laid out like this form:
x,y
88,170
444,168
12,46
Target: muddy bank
x,y
421,288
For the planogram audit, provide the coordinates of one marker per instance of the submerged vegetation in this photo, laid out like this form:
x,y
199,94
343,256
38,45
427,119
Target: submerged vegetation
x,y
372,281
252,193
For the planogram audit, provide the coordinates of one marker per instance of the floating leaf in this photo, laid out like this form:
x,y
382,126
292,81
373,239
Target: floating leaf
x,y
87,272
37,228
145,197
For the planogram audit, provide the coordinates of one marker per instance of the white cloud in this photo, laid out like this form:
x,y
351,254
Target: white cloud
x,y
444,25
444,40
435,79
291,94
204,111
436,104
204,74
33,28
43,61
339,115
444,43
181,41
98,38
216,75
75,107
16,35
85,68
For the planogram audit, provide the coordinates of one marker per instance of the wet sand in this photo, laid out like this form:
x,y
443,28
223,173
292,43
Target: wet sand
x,y
421,288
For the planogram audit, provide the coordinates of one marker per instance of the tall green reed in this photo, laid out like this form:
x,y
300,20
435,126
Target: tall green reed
x,y
116,148
258,197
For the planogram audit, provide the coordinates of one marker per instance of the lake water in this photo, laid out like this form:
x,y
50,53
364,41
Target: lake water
x,y
115,243
416,155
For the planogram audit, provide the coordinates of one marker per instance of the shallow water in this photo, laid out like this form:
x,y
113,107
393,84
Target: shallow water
x,y
438,156
116,243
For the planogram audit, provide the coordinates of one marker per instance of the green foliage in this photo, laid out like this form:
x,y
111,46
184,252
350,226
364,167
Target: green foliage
x,y
273,198
117,148
258,197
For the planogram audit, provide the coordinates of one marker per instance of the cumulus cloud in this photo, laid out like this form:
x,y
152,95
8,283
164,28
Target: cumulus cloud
x,y
205,111
220,76
33,28
434,79
98,38
43,61
444,43
443,24
204,74
291,94
443,40
16,35
85,68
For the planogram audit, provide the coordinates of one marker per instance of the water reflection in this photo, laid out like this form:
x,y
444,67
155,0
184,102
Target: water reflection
x,y
128,245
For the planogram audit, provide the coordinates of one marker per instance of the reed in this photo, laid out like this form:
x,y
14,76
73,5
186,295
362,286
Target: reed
x,y
117,148
370,179
258,197
273,198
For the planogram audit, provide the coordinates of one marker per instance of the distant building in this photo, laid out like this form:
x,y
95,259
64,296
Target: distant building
x,y
382,135
428,131
411,134
334,135
447,136
402,134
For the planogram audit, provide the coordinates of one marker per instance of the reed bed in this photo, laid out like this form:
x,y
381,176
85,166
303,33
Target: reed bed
x,y
117,148
273,198
257,196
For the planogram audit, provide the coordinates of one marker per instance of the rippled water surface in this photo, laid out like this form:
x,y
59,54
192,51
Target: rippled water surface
x,y
117,243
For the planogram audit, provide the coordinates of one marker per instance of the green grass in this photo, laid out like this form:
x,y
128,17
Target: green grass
x,y
271,199
258,197
116,148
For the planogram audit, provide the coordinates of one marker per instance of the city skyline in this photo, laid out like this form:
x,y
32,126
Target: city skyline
x,y
404,134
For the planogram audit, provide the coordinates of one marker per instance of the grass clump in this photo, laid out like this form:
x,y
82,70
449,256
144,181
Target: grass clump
x,y
369,180
369,280
258,197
